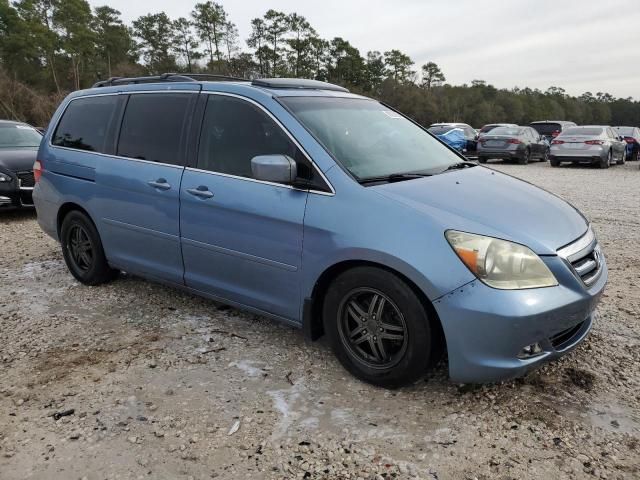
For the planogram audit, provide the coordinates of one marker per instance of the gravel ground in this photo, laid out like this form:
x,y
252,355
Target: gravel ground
x,y
135,380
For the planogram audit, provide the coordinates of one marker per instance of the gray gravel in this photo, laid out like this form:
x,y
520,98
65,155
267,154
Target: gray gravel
x,y
134,380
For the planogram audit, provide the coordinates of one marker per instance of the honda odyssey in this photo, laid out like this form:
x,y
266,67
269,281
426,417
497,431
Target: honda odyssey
x,y
329,211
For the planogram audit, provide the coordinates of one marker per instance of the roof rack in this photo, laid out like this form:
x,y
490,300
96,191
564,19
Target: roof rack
x,y
167,77
300,83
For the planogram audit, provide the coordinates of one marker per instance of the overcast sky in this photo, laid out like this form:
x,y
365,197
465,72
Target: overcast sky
x,y
580,45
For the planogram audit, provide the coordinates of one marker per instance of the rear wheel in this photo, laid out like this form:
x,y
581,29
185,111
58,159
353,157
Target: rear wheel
x,y
554,162
378,327
482,159
607,161
524,159
82,250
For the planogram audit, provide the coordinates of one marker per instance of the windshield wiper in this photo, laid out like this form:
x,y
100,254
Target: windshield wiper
x,y
394,177
459,165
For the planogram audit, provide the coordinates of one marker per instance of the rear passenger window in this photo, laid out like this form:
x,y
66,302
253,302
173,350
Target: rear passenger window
x,y
85,123
233,132
154,126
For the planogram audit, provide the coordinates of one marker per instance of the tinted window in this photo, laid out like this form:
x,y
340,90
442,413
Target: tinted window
x,y
15,136
234,131
85,123
153,127
547,128
488,128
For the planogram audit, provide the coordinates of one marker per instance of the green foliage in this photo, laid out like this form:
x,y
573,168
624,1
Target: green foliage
x,y
48,47
155,33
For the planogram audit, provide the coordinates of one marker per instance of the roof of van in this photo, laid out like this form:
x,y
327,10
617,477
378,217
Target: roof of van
x,y
278,87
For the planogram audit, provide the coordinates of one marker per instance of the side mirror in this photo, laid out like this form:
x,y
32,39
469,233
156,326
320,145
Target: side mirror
x,y
274,168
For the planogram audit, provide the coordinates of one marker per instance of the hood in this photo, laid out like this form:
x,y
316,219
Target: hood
x,y
18,159
486,202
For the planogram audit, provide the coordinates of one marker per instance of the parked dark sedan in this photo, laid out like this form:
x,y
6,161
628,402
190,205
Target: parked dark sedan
x,y
19,144
632,137
513,143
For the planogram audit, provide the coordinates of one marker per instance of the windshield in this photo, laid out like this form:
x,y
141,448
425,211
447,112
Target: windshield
x,y
510,131
369,139
582,131
15,136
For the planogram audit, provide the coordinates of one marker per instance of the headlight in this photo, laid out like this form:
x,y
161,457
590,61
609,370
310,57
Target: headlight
x,y
4,178
499,263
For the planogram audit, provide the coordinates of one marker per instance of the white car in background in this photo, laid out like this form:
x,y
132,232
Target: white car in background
x,y
593,144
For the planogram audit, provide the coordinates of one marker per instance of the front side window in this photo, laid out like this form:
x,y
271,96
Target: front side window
x,y
85,123
369,139
154,126
234,131
14,135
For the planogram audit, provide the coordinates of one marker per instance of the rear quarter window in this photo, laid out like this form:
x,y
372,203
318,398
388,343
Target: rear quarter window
x,y
85,124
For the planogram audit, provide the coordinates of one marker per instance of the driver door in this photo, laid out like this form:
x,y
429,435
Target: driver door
x,y
242,238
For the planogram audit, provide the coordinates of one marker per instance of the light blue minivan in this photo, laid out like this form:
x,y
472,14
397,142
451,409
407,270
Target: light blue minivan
x,y
329,211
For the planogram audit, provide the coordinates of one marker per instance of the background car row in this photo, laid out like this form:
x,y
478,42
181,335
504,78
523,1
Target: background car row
x,y
557,141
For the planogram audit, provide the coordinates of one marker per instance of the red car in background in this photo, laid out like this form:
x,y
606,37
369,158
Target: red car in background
x,y
632,137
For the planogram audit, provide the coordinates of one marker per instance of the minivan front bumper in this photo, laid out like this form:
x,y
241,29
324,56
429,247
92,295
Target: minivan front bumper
x,y
487,329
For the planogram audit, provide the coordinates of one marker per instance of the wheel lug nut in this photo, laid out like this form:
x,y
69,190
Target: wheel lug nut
x,y
380,329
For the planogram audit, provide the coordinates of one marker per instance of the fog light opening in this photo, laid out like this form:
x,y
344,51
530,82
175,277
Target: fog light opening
x,y
529,351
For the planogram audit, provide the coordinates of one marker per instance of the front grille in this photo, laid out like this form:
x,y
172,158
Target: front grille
x,y
26,179
562,339
585,258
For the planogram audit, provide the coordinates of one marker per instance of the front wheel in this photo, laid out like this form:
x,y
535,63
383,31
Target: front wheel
x,y
378,327
82,250
545,156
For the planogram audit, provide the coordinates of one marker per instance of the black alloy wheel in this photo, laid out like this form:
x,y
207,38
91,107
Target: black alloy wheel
x,y
372,328
82,250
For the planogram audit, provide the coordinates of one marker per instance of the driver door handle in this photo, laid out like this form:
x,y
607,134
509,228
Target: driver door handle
x,y
160,184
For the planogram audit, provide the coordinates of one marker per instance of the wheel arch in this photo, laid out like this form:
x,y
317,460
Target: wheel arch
x,y
67,208
312,324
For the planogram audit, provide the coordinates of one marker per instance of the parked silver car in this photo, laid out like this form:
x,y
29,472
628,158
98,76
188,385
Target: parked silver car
x,y
594,144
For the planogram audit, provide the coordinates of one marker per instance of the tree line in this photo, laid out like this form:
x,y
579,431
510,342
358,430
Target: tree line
x,y
50,47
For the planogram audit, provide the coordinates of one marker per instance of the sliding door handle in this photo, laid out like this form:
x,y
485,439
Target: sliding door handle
x,y
201,191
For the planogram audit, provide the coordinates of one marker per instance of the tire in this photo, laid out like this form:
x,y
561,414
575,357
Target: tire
x,y
554,162
545,155
482,159
355,324
82,250
525,158
623,157
637,156
606,162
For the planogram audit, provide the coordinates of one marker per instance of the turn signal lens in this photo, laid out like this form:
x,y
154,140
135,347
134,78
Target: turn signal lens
x,y
499,263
